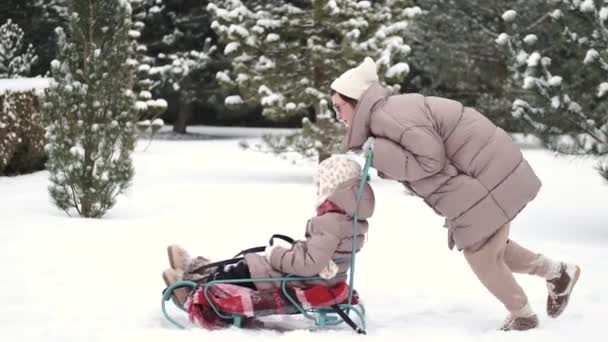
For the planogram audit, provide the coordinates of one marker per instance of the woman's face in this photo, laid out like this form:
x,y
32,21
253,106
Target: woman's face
x,y
344,110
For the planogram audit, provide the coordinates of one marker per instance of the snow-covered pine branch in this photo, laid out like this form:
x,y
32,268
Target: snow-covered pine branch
x,y
16,58
570,95
284,57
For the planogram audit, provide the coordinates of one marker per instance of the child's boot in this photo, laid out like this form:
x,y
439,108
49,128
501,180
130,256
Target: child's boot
x,y
180,295
178,257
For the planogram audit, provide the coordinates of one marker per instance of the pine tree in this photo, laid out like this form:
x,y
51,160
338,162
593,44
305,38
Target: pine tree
x,y
149,109
286,55
183,61
566,76
38,18
16,58
454,55
91,108
182,71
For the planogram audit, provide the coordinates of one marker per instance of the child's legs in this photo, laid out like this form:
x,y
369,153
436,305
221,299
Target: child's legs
x,y
487,262
192,271
522,260
240,270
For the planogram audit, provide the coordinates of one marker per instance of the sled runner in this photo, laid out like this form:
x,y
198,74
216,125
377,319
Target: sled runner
x,y
219,303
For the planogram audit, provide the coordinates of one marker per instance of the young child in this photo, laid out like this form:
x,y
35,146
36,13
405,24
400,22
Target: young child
x,y
328,237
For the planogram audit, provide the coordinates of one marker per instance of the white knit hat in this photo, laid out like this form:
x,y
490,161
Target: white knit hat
x,y
334,171
354,82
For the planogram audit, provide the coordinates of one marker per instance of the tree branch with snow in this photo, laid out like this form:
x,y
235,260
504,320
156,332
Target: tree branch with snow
x,y
569,105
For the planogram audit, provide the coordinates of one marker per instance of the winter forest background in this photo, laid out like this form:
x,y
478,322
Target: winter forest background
x,y
535,68
202,123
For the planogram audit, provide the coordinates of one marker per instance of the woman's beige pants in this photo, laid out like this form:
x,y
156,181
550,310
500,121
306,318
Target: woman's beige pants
x,y
496,259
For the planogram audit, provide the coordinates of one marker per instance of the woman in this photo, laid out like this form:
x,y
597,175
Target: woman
x,y
465,168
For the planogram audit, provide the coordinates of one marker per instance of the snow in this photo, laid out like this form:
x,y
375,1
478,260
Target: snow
x,y
555,81
556,14
272,37
231,47
158,103
72,279
233,132
398,70
509,15
520,103
144,68
158,123
264,63
105,176
602,89
24,84
55,64
530,39
533,59
239,30
134,34
233,100
77,151
126,5
574,107
591,56
502,39
146,95
412,12
588,6
333,7
141,106
555,102
240,78
223,76
603,13
269,23
521,57
364,5
529,82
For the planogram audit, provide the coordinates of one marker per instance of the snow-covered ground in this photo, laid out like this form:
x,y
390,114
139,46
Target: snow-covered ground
x,y
227,132
73,279
23,84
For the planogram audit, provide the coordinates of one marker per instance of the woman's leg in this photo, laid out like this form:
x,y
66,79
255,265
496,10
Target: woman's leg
x,y
486,259
522,260
560,276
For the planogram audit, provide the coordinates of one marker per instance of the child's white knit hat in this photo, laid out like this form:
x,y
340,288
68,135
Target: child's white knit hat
x,y
334,171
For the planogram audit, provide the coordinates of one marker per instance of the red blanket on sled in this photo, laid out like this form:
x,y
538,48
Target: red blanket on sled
x,y
242,301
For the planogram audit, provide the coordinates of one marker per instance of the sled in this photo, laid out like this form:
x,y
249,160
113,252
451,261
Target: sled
x,y
329,314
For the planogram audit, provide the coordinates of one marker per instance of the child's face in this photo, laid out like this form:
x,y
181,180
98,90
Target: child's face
x,y
344,110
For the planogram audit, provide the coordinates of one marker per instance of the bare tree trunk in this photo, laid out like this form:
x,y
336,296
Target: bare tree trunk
x,y
183,116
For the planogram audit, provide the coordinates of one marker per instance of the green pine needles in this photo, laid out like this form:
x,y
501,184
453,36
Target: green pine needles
x,y
90,108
